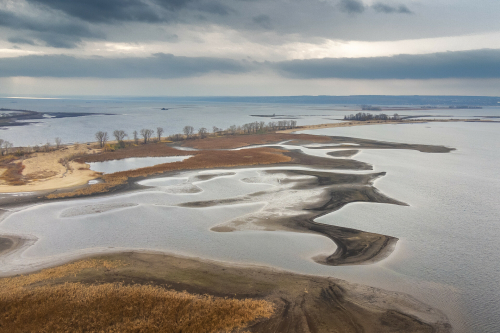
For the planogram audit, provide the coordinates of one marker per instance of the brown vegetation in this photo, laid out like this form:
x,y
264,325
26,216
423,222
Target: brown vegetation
x,y
150,150
202,160
13,174
237,141
38,303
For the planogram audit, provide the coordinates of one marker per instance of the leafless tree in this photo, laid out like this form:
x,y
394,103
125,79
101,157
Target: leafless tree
x,y
216,130
102,138
58,142
136,137
159,132
46,147
232,129
119,135
7,145
203,132
146,134
188,131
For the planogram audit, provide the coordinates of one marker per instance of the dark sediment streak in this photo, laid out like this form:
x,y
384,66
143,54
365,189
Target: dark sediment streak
x,y
353,246
343,153
373,144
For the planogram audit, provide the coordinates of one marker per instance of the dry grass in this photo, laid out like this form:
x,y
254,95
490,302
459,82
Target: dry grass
x,y
237,141
13,175
149,150
201,160
115,307
57,272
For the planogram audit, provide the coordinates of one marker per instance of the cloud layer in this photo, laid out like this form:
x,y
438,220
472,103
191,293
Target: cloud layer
x,y
466,64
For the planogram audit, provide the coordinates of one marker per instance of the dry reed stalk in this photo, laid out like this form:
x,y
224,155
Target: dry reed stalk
x,y
115,307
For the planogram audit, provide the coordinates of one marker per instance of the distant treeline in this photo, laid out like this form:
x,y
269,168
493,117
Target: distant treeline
x,y
147,135
361,116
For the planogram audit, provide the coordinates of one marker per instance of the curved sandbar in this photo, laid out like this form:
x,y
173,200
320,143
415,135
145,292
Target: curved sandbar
x,y
353,246
10,243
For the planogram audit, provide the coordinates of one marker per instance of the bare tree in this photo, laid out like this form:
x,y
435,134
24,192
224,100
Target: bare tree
x,y
188,131
119,136
58,142
159,132
233,129
203,132
46,147
136,137
146,134
102,138
7,145
216,130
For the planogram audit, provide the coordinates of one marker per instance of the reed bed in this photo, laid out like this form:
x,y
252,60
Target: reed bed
x,y
115,307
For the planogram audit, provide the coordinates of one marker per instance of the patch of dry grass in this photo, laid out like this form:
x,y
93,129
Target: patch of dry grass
x,y
13,174
237,141
149,150
57,272
115,307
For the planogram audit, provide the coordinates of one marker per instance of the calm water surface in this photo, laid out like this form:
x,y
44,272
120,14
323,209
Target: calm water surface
x,y
451,231
449,235
133,163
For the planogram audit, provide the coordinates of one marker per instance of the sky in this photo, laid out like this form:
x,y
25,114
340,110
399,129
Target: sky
x,y
249,47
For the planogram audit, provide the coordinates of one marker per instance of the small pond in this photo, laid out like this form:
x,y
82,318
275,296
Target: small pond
x,y
133,163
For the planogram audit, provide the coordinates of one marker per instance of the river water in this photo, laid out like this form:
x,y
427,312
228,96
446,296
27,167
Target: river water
x,y
449,234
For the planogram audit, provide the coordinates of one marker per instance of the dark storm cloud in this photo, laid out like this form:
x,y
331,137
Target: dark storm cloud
x,y
157,66
464,64
53,33
383,8
103,10
14,21
263,21
20,40
149,11
351,6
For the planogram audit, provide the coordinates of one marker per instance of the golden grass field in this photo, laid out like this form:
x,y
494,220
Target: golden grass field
x,y
40,303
